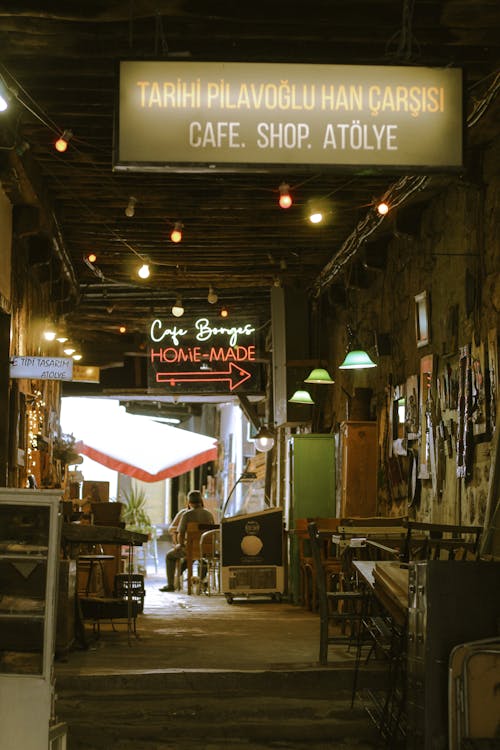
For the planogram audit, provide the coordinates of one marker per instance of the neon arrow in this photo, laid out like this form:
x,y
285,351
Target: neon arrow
x,y
235,371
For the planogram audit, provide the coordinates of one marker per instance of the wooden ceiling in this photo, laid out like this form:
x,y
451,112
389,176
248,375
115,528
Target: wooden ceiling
x,y
62,61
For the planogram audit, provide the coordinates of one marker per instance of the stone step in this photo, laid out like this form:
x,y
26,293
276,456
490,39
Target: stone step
x,y
215,709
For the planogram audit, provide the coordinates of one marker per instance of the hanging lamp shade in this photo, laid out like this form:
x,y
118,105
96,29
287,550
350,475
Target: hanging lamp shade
x,y
357,359
319,375
301,396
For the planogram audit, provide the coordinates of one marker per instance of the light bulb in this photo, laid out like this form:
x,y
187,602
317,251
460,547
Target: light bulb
x,y
382,208
212,297
49,334
122,329
62,142
316,217
144,271
176,234
130,210
91,257
285,199
177,308
224,312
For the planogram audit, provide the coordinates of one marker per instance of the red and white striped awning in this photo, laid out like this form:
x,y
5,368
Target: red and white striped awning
x,y
143,448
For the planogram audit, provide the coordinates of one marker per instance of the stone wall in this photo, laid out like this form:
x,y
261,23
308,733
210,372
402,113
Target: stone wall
x,y
450,250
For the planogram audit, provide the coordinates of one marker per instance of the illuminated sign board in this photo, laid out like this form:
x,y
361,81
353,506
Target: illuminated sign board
x,y
212,115
41,368
86,374
204,356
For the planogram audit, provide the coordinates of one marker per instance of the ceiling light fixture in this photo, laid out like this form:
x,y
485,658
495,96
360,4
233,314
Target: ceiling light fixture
x,y
5,96
144,271
320,376
77,357
178,308
301,396
49,334
285,199
62,338
176,234
69,350
212,297
62,142
264,440
130,210
357,359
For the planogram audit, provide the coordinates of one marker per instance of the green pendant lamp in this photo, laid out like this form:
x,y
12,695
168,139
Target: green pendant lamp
x,y
357,359
301,396
319,375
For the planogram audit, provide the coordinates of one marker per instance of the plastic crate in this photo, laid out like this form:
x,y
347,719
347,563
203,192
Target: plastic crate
x,y
136,583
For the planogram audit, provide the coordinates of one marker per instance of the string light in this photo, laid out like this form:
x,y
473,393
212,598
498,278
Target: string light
x,y
285,199
91,257
122,329
62,142
382,208
36,417
224,312
144,271
176,233
316,217
178,308
130,210
212,296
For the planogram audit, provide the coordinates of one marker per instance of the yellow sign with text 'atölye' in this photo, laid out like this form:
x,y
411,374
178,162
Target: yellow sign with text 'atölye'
x,y
235,116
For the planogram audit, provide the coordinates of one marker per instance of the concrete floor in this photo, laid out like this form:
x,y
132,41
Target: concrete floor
x,y
246,675
181,631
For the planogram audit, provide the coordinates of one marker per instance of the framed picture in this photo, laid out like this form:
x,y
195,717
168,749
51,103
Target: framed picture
x,y
422,319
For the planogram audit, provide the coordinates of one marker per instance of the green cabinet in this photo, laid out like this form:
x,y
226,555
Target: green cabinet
x,y
313,491
313,476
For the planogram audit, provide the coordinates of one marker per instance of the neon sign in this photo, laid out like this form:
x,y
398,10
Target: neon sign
x,y
204,357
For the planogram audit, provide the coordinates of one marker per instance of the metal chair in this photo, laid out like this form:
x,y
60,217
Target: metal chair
x,y
193,534
210,555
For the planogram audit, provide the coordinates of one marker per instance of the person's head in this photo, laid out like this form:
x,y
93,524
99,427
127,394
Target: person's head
x,y
194,499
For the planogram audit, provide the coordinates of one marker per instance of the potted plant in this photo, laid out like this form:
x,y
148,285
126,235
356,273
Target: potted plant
x,y
134,512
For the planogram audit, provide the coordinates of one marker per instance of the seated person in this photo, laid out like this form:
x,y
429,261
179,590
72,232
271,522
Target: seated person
x,y
195,513
173,531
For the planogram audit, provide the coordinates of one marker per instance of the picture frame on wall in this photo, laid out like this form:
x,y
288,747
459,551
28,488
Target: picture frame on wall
x,y
422,319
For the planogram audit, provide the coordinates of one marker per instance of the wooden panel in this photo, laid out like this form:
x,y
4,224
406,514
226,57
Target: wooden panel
x,y
359,469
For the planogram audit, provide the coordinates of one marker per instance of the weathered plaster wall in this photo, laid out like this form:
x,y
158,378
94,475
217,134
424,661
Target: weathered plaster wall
x,y
453,254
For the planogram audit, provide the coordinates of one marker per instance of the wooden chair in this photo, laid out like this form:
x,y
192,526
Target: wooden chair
x,y
193,534
440,541
210,545
340,611
331,562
